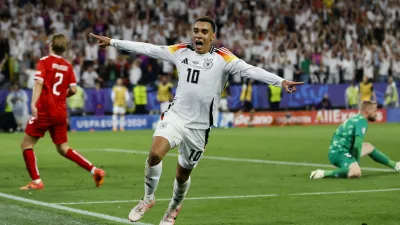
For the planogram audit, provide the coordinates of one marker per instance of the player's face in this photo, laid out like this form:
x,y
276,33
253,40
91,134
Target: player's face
x,y
372,113
203,35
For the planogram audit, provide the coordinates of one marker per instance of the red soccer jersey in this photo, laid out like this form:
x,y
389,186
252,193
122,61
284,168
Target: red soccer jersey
x,y
57,76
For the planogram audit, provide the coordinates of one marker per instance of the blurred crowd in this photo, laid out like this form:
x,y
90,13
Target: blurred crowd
x,y
315,41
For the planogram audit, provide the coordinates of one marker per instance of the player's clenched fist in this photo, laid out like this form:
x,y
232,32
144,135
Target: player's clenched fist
x,y
290,86
103,41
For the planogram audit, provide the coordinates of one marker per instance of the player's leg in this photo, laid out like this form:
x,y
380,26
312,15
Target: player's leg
x,y
166,137
347,166
191,150
58,134
115,118
33,132
252,111
122,119
181,187
378,156
27,144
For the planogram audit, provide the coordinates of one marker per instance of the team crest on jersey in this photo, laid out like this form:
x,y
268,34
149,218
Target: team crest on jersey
x,y
208,63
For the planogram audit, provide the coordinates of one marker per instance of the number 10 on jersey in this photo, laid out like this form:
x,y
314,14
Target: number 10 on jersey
x,y
193,77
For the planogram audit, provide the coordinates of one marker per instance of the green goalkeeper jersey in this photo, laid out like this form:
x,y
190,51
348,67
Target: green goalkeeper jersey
x,y
344,139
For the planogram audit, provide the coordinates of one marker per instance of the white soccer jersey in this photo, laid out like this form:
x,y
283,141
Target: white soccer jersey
x,y
201,78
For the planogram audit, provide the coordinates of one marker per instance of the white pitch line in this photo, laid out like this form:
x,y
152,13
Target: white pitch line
x,y
64,208
239,196
242,159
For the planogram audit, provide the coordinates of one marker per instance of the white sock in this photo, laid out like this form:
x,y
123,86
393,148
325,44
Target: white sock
x,y
92,170
122,121
151,177
179,194
37,181
115,121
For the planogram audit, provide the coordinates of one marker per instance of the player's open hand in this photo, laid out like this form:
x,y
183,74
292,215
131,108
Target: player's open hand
x,y
290,86
103,41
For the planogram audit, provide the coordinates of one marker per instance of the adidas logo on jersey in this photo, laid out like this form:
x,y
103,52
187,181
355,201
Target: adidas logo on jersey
x,y
185,61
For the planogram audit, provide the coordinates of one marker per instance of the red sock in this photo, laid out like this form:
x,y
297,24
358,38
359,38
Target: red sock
x,y
30,162
79,159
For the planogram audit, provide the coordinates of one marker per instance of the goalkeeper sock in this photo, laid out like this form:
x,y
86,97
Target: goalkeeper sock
x,y
180,191
342,173
31,164
381,158
152,177
79,159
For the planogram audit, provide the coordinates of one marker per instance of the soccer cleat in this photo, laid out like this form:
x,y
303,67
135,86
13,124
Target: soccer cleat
x,y
138,211
317,174
33,186
170,217
121,129
397,167
98,177
114,129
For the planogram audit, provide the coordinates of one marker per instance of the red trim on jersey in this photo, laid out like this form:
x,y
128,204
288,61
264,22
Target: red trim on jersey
x,y
226,54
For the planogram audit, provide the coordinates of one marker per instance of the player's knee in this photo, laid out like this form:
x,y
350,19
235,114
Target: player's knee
x,y
181,178
25,145
354,173
62,149
154,157
367,147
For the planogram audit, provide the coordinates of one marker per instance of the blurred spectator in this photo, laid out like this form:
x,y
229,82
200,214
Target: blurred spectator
x,y
338,36
367,92
305,67
351,96
140,97
333,64
76,103
17,103
325,103
246,99
120,98
349,69
135,73
98,99
164,93
3,77
396,67
384,67
391,94
89,77
275,97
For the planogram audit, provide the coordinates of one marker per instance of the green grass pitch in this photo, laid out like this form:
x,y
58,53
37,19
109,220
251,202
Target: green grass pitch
x,y
290,197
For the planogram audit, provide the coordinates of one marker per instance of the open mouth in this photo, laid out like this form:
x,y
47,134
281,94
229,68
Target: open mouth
x,y
198,43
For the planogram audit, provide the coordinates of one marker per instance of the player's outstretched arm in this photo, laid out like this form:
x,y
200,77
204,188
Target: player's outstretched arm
x,y
238,66
37,89
154,51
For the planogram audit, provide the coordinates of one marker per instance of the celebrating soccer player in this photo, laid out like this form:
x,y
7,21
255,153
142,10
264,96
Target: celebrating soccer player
x,y
347,146
54,82
203,71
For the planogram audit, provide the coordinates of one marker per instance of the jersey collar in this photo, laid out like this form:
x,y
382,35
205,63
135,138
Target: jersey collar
x,y
54,55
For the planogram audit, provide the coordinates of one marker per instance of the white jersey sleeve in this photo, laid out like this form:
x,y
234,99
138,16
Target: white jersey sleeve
x,y
166,53
236,66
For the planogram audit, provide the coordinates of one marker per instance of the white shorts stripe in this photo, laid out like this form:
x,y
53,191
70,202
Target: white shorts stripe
x,y
72,84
